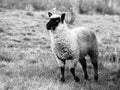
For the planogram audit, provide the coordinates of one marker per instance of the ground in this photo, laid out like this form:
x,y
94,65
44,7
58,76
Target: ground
x,y
26,61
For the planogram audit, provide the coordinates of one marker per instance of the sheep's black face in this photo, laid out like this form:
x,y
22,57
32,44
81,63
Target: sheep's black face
x,y
54,21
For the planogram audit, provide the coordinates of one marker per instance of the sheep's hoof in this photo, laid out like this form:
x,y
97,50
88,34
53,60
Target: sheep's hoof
x,y
86,77
62,79
96,78
76,79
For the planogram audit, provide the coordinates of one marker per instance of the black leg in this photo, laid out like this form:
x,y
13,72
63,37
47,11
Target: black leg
x,y
62,73
73,73
62,68
94,56
95,65
84,66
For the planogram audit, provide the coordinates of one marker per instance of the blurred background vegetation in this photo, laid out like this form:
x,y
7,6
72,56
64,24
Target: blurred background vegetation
x,y
110,7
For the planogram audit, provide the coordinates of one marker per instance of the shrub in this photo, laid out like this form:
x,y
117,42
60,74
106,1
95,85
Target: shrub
x,y
41,4
29,14
99,6
82,6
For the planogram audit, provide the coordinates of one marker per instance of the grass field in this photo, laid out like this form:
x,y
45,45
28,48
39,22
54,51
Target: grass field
x,y
26,62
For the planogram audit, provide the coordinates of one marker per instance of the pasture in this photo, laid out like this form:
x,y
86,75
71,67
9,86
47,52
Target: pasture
x,y
26,61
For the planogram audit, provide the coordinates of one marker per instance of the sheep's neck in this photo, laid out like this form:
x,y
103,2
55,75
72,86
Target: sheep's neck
x,y
62,28
60,33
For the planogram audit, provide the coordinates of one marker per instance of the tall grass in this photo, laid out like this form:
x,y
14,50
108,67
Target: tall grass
x,y
82,6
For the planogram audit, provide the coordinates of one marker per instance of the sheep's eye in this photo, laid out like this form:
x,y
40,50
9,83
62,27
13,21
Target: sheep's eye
x,y
57,21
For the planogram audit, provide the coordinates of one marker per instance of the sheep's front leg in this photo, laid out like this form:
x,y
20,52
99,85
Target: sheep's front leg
x,y
72,69
73,73
61,64
62,68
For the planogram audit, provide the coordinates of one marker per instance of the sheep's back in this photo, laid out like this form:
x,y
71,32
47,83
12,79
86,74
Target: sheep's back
x,y
85,38
72,43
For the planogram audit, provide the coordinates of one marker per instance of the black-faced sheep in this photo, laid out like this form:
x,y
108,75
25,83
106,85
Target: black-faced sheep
x,y
72,44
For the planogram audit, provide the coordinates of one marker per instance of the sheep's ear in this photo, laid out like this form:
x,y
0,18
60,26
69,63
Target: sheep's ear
x,y
49,14
62,17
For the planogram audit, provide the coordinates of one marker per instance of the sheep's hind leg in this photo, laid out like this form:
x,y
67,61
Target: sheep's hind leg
x,y
94,57
72,70
84,66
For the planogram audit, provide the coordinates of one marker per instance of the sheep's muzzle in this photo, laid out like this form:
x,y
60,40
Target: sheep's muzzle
x,y
48,26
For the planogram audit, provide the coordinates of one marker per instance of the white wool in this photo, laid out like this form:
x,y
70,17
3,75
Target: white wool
x,y
52,48
78,40
55,16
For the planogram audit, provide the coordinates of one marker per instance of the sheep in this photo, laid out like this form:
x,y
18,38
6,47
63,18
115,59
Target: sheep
x,y
73,45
